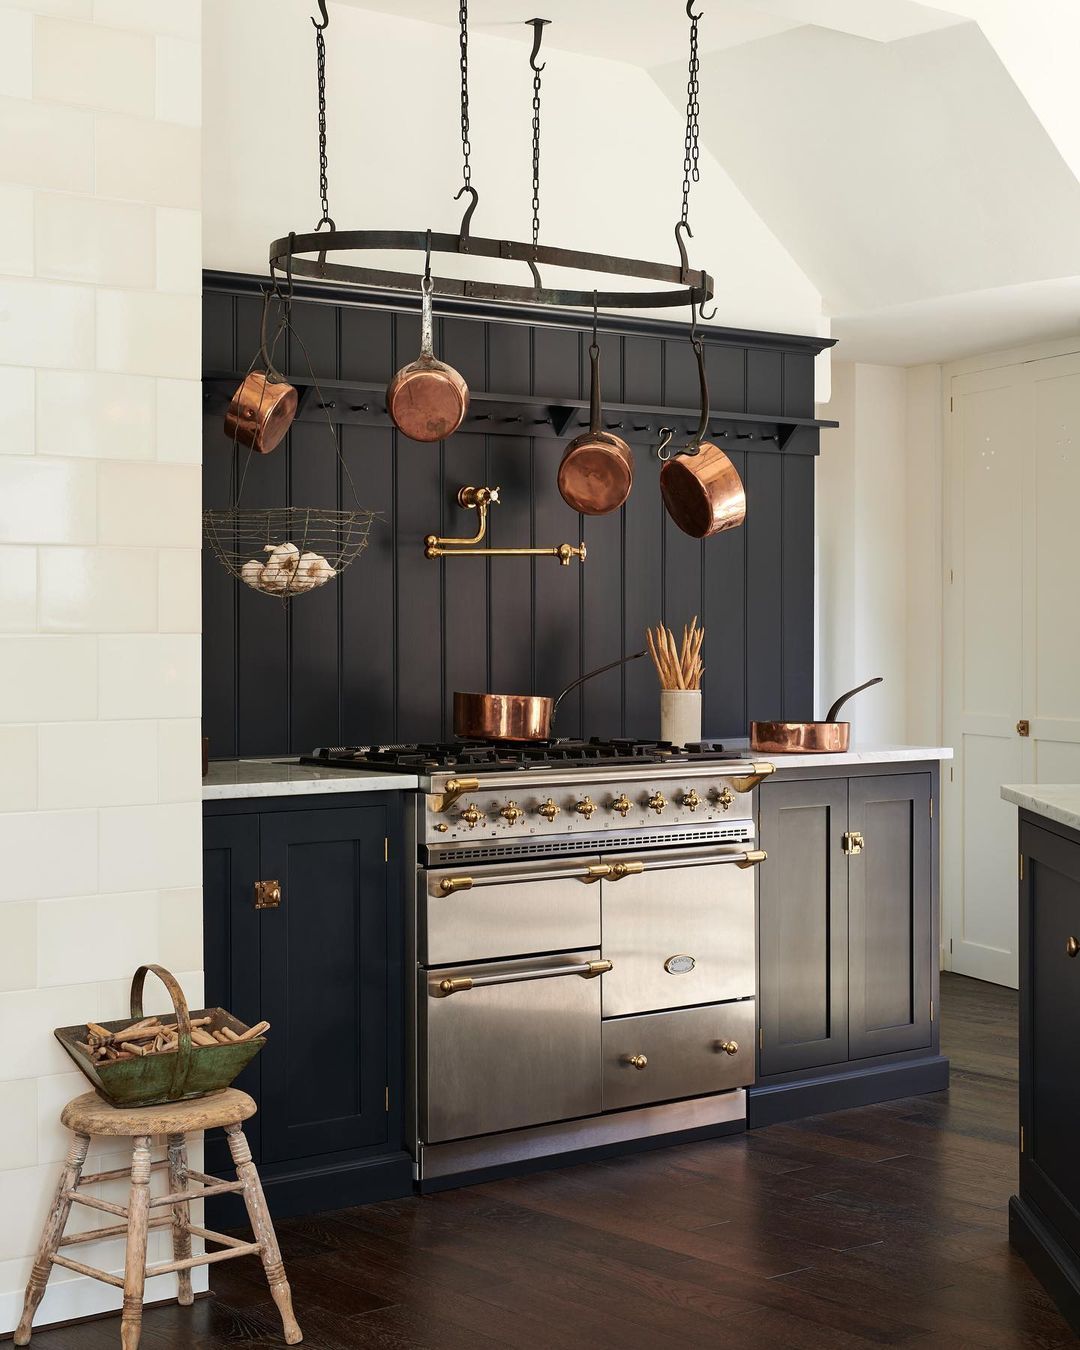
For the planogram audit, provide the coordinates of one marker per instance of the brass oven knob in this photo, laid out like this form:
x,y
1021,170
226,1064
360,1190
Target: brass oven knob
x,y
471,816
657,802
511,813
585,807
548,810
638,1061
724,798
729,1047
622,804
690,800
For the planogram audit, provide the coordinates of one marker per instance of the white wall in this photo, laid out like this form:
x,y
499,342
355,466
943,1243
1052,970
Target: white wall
x,y
611,166
99,564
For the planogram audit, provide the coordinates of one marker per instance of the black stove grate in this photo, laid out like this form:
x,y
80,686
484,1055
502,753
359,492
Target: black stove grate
x,y
486,757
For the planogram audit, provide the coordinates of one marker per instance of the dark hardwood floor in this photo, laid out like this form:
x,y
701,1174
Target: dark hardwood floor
x,y
885,1225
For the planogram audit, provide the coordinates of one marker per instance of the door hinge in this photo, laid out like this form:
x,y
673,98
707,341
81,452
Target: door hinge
x,y
853,842
386,1099
386,849
267,894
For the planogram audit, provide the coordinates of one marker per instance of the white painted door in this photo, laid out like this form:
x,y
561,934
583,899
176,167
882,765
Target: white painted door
x,y
1012,636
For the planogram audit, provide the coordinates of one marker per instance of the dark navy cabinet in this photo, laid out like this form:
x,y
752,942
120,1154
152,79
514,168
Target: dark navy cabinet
x,y
324,966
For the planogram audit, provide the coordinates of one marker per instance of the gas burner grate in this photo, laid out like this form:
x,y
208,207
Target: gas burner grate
x,y
487,757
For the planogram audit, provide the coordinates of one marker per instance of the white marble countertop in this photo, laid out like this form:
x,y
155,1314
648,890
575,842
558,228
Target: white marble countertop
x,y
862,754
286,778
1055,801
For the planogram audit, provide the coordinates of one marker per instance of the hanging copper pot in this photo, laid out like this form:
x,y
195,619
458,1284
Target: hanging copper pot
x,y
260,412
702,490
427,400
597,469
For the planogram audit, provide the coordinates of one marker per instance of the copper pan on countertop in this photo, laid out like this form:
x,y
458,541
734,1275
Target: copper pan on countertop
x,y
808,738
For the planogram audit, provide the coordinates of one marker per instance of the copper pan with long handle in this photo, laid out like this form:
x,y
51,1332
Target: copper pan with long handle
x,y
597,468
808,738
516,717
427,399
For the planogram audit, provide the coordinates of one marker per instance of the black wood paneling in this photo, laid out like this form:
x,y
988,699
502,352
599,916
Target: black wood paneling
x,y
376,655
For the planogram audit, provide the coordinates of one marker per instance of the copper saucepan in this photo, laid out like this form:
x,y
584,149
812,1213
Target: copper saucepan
x,y
427,399
515,717
808,738
262,409
597,468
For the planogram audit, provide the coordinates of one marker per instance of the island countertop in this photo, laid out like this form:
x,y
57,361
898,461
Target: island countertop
x,y
1055,801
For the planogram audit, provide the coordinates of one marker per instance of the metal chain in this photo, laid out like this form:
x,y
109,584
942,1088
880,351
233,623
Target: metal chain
x,y
536,157
463,43
324,188
691,168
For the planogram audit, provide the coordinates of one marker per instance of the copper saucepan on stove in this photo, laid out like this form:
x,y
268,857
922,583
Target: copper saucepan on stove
x,y
515,717
597,468
427,399
808,738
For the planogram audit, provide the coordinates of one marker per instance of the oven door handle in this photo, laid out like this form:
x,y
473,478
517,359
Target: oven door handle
x,y
750,858
448,885
588,970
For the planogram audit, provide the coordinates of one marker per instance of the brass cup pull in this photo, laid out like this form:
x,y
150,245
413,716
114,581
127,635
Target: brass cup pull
x,y
729,1047
1072,947
637,1061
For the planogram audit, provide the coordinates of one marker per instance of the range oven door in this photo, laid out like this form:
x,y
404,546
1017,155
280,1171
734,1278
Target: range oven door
x,y
679,929
510,1043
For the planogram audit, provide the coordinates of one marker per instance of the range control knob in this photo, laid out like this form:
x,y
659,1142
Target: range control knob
x,y
471,816
723,799
690,800
548,810
622,804
657,802
511,813
585,807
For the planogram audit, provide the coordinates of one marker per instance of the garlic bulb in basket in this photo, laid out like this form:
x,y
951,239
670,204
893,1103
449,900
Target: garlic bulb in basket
x,y
251,574
314,569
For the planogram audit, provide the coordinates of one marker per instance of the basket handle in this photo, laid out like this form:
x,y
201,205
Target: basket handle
x,y
183,1021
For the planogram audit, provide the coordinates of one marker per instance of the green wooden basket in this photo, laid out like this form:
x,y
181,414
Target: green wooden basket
x,y
189,1071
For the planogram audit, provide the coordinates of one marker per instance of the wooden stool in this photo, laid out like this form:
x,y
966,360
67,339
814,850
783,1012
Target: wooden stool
x,y
89,1115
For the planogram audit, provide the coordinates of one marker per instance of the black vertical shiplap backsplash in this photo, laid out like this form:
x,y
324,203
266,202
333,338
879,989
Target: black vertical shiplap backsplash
x,y
377,654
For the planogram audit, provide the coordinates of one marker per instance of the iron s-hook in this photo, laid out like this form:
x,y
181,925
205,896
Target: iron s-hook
x,y
538,35
690,11
325,17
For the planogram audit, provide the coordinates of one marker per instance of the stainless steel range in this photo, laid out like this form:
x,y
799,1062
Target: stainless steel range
x,y
583,931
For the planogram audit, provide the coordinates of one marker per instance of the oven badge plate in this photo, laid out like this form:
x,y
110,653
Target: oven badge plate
x,y
679,965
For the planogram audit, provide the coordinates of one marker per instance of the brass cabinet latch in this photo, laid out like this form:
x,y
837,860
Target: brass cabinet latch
x,y
853,842
268,895
1023,727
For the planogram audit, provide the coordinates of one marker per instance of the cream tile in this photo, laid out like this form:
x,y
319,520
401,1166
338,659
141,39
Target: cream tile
x,y
48,854
67,9
18,946
104,68
180,924
179,760
54,1091
86,239
152,16
25,1194
49,679
18,759
179,421
96,414
97,764
46,146
16,410
18,588
18,1111
97,590
149,676
180,591
17,213
179,250
16,53
47,501
87,935
147,505
27,1019
150,846
179,80
156,162
43,323
145,333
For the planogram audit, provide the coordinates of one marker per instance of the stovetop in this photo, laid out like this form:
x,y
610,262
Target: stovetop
x,y
479,757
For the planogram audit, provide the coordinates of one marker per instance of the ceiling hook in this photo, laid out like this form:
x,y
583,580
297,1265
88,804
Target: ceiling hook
x,y
690,11
538,34
325,17
707,318
463,232
684,261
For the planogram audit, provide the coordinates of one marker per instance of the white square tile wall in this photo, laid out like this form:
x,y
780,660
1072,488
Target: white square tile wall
x,y
100,435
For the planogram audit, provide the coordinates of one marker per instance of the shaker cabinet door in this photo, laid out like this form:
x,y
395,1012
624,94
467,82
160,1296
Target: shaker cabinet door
x,y
802,925
889,908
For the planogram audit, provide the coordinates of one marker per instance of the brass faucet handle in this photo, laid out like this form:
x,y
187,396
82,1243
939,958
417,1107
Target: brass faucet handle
x,y
471,816
622,804
511,813
657,802
471,497
585,807
548,810
690,800
729,1047
637,1061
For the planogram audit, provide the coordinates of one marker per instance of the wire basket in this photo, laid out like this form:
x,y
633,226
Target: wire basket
x,y
286,550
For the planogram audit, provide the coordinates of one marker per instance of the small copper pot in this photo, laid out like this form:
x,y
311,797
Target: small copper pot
x,y
808,738
597,468
260,412
427,400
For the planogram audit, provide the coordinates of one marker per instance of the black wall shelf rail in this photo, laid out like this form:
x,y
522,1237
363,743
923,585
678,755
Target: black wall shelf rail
x,y
363,403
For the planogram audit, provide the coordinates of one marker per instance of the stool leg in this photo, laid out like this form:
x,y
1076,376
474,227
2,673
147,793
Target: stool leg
x,y
135,1259
181,1215
263,1228
51,1235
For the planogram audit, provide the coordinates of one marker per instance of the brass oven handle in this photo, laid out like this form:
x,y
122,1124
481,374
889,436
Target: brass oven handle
x,y
455,788
448,885
1072,947
626,869
750,858
586,969
747,782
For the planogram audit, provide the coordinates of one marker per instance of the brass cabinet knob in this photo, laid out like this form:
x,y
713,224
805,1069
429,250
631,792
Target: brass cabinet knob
x,y
638,1061
690,800
471,816
1072,947
585,807
548,809
622,804
511,813
724,798
730,1047
657,802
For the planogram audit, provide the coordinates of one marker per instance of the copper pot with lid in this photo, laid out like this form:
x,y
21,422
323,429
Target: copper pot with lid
x,y
597,468
427,399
